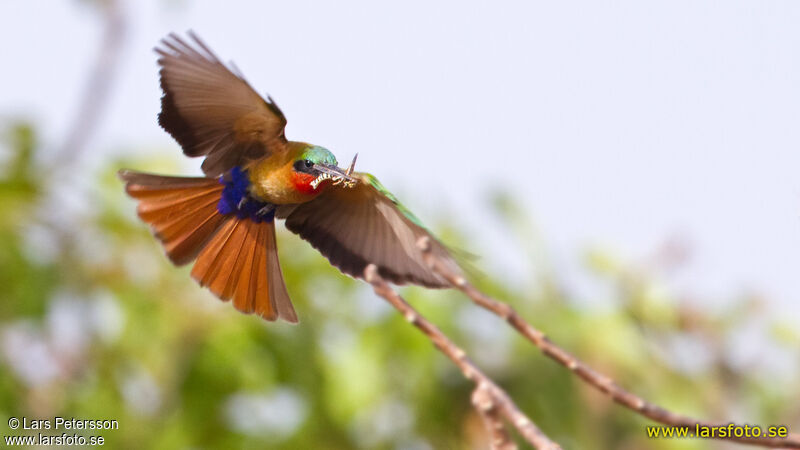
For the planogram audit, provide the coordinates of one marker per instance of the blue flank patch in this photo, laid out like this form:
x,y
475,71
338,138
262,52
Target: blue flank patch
x,y
237,200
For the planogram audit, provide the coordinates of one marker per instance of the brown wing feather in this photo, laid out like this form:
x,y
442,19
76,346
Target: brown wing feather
x,y
353,227
212,111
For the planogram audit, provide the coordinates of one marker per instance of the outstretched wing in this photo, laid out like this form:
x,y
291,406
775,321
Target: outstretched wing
x,y
354,227
212,111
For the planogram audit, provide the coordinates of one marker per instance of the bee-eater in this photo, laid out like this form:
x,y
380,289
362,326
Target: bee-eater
x,y
225,221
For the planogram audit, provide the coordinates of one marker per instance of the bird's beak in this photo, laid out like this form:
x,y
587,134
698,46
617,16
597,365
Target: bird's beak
x,y
352,165
334,172
331,172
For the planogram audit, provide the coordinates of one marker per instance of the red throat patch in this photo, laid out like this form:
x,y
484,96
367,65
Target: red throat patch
x,y
302,182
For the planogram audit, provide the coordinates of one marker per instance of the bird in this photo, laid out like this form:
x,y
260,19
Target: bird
x,y
224,221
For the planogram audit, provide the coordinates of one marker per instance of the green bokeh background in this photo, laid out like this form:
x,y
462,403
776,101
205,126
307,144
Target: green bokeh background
x,y
95,323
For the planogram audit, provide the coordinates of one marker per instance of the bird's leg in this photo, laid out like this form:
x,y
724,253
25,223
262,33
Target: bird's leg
x,y
265,210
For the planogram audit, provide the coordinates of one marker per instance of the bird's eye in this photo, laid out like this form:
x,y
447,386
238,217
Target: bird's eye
x,y
303,165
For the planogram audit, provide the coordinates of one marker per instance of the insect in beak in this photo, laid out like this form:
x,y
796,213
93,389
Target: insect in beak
x,y
336,174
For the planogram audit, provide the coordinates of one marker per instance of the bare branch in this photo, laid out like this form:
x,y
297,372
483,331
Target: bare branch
x,y
499,438
595,379
499,399
98,85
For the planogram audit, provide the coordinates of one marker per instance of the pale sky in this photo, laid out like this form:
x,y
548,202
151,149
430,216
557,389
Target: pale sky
x,y
618,124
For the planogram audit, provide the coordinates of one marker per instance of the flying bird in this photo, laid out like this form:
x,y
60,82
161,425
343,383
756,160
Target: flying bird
x,y
225,221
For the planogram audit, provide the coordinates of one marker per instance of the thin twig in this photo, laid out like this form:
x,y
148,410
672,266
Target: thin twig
x,y
500,400
98,85
499,438
595,379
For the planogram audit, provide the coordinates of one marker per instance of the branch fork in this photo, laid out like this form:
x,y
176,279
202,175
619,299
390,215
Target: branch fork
x,y
593,378
490,401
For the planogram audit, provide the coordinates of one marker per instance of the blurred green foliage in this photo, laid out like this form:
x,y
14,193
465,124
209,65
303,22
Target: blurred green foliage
x,y
96,324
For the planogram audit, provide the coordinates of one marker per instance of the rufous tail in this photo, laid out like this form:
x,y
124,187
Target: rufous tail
x,y
237,259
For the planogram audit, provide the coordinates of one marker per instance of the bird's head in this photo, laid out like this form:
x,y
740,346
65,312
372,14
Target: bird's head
x,y
315,165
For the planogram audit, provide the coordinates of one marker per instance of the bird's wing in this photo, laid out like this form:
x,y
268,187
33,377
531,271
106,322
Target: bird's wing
x,y
365,224
212,111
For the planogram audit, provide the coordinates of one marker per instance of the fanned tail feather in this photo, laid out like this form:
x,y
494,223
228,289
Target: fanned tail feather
x,y
181,211
237,259
240,263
